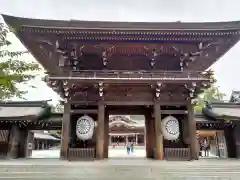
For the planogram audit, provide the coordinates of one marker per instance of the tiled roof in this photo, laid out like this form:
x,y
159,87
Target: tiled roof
x,y
19,111
119,122
23,109
231,112
223,110
44,136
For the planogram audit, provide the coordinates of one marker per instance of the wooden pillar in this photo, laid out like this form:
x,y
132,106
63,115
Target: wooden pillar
x,y
23,145
30,144
65,131
158,132
109,140
149,135
106,134
136,136
14,141
192,132
38,144
100,131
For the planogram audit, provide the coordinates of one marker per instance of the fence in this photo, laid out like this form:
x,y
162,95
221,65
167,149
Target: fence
x,y
176,153
81,153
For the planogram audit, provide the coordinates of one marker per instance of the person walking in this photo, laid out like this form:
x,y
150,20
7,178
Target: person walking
x,y
206,147
128,148
132,147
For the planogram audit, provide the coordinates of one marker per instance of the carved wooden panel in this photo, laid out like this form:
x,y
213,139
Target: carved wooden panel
x,y
172,97
120,96
129,56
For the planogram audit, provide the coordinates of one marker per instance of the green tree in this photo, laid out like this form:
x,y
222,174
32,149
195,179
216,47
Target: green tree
x,y
58,108
13,70
211,94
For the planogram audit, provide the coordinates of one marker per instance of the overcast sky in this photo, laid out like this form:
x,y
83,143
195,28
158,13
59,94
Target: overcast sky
x,y
226,69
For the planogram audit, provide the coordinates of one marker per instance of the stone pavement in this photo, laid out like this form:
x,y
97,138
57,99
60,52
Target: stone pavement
x,y
119,152
120,169
113,152
120,166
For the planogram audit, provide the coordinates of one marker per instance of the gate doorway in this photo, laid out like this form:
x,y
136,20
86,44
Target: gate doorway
x,y
126,132
126,136
45,144
212,144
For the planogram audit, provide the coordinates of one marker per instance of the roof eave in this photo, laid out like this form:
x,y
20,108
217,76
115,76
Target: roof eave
x,y
181,26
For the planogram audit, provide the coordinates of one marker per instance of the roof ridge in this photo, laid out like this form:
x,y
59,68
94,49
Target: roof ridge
x,y
24,103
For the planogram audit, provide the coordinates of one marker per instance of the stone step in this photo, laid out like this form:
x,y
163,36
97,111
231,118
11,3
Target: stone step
x,y
39,176
121,169
95,169
116,172
161,177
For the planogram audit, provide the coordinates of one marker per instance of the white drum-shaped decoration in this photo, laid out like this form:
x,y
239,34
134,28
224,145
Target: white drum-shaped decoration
x,y
170,128
85,127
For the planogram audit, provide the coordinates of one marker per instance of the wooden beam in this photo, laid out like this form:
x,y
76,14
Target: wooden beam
x,y
84,111
65,131
126,110
131,103
128,81
174,112
84,102
128,103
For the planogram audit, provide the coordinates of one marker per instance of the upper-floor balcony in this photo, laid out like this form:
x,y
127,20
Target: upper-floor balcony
x,y
112,76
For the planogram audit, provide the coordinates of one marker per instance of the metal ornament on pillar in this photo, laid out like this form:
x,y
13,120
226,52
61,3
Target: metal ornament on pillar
x,y
170,128
85,127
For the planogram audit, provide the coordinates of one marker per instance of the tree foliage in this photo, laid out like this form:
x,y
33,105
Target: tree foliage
x,y
13,70
58,108
211,94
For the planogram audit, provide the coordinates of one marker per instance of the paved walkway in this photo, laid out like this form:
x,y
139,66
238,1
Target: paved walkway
x,y
119,152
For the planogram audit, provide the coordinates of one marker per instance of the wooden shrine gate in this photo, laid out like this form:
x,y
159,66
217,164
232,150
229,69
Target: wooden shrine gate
x,y
94,66
97,146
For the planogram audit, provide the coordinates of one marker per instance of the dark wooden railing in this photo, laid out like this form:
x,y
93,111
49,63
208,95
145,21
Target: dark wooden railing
x,y
134,75
139,74
81,153
3,149
176,153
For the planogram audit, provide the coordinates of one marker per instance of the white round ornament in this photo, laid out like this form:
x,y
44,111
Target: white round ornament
x,y
170,128
85,127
